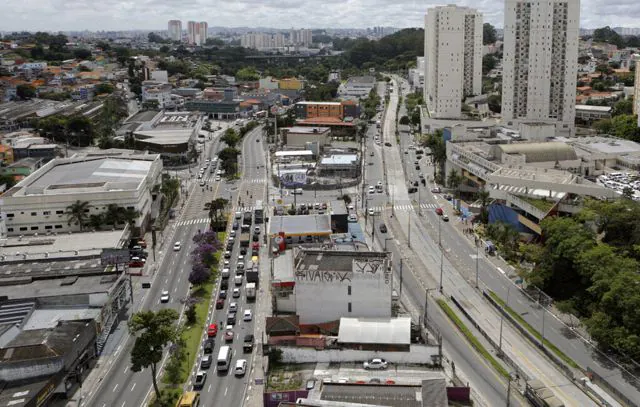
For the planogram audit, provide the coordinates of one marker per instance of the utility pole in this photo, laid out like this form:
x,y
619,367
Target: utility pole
x,y
409,232
401,278
477,263
501,320
441,251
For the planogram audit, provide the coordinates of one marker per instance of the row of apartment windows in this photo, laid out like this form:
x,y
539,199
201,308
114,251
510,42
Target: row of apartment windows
x,y
58,212
34,228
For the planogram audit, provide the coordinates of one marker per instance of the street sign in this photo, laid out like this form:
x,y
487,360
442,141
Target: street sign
x,y
114,256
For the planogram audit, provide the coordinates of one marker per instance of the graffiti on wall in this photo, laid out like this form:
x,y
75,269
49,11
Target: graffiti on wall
x,y
323,276
368,266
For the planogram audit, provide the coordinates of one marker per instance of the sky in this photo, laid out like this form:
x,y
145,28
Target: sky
x,y
94,15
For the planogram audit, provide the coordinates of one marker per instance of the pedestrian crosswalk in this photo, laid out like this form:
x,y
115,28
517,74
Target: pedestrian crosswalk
x,y
190,222
403,207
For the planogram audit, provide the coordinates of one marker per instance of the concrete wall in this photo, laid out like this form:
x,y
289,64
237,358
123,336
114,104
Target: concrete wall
x,y
419,354
324,296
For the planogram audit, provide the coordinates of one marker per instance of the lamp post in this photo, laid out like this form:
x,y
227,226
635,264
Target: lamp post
x,y
477,263
512,377
502,319
441,251
543,313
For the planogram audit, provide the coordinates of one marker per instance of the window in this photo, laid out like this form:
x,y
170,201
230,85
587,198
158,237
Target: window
x,y
46,213
9,229
348,290
130,207
59,212
34,213
34,228
58,226
349,307
48,227
23,228
10,215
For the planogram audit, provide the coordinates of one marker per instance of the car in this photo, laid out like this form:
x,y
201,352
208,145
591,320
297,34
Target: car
x,y
439,211
311,383
219,303
240,258
383,228
218,178
406,151
241,367
247,316
256,230
207,161
379,183
297,191
199,380
416,162
421,176
199,175
370,212
445,218
247,343
231,318
208,345
376,363
436,190
224,284
202,183
255,238
235,226
227,254
223,294
372,189
255,246
352,218
228,333
412,190
351,207
232,234
236,293
177,246
387,144
417,168
205,362
136,262
257,140
233,307
240,266
212,330
415,183
372,154
164,296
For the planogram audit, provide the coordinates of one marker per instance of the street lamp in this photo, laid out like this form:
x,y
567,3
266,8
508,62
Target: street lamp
x,y
441,250
513,376
502,319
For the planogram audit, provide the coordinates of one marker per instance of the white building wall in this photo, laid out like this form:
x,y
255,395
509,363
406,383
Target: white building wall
x,y
323,296
175,30
636,90
540,62
453,58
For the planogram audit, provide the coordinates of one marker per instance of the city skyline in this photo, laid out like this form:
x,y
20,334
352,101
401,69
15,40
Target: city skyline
x,y
32,15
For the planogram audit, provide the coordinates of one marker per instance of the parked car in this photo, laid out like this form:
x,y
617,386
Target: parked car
x,y
177,246
387,144
436,190
311,383
383,228
352,218
376,363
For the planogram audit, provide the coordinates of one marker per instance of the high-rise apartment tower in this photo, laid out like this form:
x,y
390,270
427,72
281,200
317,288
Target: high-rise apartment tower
x,y
175,30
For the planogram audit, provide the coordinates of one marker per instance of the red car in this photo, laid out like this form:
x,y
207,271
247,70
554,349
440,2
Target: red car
x,y
136,262
255,246
439,211
212,330
219,304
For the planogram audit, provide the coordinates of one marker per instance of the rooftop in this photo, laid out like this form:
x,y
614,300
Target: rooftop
x,y
343,260
604,109
74,285
324,121
68,176
308,130
300,225
382,331
362,79
339,159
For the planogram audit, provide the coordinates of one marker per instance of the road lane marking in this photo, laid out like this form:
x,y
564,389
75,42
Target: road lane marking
x,y
123,403
209,388
125,369
133,387
115,387
226,389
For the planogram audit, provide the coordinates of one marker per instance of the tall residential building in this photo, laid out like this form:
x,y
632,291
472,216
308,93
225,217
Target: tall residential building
x,y
262,40
453,59
197,32
175,30
303,37
636,89
540,62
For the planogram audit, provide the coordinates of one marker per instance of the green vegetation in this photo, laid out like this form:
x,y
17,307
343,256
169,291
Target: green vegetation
x,y
505,237
25,91
472,339
606,34
623,126
247,74
533,332
488,34
539,203
435,142
370,104
284,377
57,96
413,103
588,264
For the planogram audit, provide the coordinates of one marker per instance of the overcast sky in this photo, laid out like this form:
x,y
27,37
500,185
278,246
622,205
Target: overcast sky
x,y
54,15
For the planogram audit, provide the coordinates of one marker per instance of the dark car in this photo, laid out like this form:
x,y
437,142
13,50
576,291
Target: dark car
x,y
387,144
229,245
243,250
383,228
412,190
208,345
224,284
417,168
247,344
231,318
415,183
235,225
223,294
220,304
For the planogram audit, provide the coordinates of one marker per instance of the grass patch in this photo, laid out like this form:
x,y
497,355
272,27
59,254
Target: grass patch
x,y
566,359
472,339
539,203
284,379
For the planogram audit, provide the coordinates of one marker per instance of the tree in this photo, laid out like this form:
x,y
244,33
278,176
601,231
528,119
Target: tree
x,y
82,53
346,198
404,120
215,208
230,137
483,197
247,74
606,34
153,37
488,34
153,331
495,103
79,130
95,221
218,42
627,192
229,160
76,213
104,87
624,106
489,62
25,91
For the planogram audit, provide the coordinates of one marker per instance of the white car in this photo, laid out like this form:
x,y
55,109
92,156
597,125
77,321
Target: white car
x,y
241,367
233,307
377,363
247,315
352,218
236,293
372,189
371,212
164,296
218,178
350,207
202,183
177,246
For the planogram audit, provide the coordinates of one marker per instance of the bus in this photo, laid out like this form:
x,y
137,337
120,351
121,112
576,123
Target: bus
x,y
258,212
189,399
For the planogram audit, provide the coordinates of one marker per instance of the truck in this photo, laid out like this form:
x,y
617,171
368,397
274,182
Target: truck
x,y
247,218
252,275
250,289
245,238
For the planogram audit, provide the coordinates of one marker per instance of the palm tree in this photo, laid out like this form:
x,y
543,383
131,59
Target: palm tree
x,y
113,215
95,221
483,197
130,215
77,213
453,181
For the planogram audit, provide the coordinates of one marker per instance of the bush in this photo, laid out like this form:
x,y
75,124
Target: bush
x,y
191,315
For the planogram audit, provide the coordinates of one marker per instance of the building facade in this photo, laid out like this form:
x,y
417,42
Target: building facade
x,y
540,62
175,30
197,32
262,40
636,89
453,59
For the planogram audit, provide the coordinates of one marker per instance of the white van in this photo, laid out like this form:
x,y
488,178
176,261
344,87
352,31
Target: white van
x,y
224,358
238,279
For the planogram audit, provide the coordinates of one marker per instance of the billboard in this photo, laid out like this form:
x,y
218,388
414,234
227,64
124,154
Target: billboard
x,y
293,180
114,256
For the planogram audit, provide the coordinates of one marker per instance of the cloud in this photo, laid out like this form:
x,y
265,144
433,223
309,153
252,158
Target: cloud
x,y
54,15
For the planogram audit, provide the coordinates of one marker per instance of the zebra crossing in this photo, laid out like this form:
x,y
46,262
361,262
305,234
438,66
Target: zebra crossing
x,y
404,207
190,222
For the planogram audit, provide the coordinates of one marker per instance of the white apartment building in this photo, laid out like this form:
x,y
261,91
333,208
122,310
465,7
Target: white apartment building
x,y
262,40
175,30
453,59
636,89
303,37
540,62
158,91
38,203
197,32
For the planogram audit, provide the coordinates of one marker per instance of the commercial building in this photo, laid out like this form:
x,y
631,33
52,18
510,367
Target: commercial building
x,y
590,113
175,30
159,92
357,87
197,32
300,228
328,285
38,203
300,136
216,109
339,164
540,62
453,59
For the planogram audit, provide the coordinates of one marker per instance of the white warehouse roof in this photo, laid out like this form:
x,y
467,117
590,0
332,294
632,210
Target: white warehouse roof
x,y
383,331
